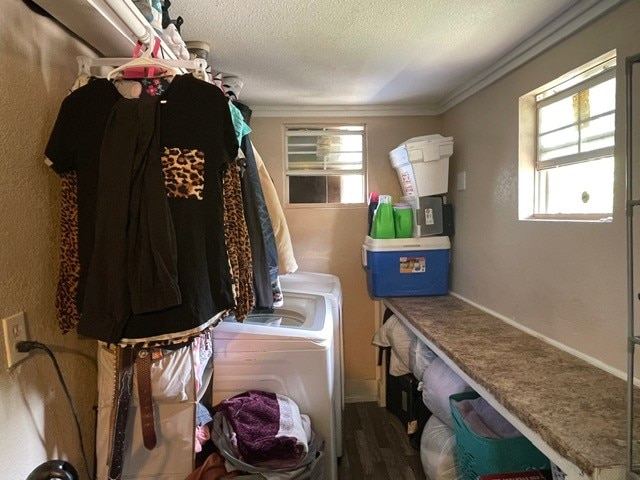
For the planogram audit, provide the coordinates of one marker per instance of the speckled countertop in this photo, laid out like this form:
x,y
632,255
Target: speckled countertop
x,y
578,409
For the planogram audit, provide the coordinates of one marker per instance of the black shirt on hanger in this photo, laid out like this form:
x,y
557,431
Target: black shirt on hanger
x,y
197,138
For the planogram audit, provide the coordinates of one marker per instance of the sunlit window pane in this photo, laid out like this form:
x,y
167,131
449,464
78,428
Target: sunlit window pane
x,y
602,98
326,189
555,115
598,133
351,188
325,165
559,143
579,188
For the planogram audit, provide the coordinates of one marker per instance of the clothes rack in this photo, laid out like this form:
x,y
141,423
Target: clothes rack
x,y
633,340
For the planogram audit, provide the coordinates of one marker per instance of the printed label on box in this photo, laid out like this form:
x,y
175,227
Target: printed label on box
x,y
413,264
406,183
428,216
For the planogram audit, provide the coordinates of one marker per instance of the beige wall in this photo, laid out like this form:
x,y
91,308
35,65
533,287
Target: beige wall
x,y
328,240
38,67
564,280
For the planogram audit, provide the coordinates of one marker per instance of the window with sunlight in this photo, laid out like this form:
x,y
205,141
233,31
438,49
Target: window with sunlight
x,y
325,165
575,144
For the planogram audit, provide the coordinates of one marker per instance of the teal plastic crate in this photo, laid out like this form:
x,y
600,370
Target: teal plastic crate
x,y
476,455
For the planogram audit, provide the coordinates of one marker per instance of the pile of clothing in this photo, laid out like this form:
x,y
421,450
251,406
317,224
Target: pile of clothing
x,y
259,435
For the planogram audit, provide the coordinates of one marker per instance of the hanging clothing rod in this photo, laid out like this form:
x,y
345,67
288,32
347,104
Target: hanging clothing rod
x,y
129,14
134,20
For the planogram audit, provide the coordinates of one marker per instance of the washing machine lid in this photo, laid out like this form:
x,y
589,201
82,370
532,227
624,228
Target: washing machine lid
x,y
303,316
311,282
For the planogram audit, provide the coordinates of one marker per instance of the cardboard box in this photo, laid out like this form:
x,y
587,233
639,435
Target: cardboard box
x,y
407,267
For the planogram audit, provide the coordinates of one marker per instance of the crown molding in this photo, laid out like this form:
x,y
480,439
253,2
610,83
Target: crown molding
x,y
342,110
567,23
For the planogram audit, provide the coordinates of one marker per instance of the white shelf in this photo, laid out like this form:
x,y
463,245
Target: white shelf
x,y
112,27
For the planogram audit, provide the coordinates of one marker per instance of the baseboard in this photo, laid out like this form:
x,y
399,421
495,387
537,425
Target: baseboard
x,y
360,391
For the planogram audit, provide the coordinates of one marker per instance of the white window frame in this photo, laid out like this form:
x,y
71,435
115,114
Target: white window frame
x,y
593,73
288,131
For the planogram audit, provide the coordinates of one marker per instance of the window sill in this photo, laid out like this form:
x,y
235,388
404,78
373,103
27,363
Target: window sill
x,y
340,206
585,218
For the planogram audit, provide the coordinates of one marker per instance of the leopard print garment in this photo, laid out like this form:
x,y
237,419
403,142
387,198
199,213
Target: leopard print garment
x,y
236,237
183,172
69,273
183,178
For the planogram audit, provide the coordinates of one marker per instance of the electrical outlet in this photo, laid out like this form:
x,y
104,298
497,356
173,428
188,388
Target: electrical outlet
x,y
15,330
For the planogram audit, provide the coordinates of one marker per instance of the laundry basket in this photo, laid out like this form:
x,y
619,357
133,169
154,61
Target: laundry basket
x,y
476,455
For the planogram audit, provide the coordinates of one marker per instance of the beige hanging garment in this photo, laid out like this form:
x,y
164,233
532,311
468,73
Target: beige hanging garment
x,y
286,260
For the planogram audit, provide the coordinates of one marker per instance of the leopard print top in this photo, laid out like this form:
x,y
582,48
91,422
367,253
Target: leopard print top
x,y
236,237
183,172
69,273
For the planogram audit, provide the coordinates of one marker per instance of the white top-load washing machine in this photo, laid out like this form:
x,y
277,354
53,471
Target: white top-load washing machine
x,y
329,287
289,352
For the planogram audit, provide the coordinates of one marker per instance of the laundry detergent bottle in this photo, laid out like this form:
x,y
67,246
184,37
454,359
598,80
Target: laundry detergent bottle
x,y
383,223
403,219
373,204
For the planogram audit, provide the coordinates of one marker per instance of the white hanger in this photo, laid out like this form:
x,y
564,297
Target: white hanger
x,y
85,64
144,60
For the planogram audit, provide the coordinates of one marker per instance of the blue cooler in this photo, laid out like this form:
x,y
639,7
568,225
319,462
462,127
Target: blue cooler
x,y
407,267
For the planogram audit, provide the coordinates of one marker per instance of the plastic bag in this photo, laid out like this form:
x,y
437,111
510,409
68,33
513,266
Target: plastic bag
x,y
393,333
439,382
420,357
437,450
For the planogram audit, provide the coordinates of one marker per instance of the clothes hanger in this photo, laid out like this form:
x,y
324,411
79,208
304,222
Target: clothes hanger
x,y
145,60
86,64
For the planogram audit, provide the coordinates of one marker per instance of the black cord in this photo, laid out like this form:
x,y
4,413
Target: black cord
x,y
27,346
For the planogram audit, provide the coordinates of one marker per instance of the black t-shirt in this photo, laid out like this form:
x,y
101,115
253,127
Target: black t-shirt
x,y
197,139
74,145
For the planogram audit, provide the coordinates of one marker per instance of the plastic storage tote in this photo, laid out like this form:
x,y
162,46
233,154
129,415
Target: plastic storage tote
x,y
477,455
407,267
422,165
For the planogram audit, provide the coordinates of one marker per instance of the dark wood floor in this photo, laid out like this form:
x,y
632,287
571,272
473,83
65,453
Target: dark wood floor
x,y
375,446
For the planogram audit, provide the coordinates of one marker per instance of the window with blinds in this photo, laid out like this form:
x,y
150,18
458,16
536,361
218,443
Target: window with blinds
x,y
325,165
575,143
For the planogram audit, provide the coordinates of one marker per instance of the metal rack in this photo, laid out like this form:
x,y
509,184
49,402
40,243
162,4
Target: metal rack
x,y
633,340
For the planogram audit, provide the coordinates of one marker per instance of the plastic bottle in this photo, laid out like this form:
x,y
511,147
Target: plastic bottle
x,y
373,204
403,220
383,225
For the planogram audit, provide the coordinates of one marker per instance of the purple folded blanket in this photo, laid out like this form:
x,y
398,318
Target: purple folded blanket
x,y
268,427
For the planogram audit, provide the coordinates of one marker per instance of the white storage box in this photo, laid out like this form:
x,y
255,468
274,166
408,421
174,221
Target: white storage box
x,y
422,165
406,267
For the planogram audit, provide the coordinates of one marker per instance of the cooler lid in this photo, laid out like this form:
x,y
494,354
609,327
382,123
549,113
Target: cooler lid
x,y
423,243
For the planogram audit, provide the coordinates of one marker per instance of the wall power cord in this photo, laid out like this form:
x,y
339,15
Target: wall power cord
x,y
27,346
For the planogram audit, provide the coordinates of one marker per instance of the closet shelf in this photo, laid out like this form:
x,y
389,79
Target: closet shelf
x,y
112,27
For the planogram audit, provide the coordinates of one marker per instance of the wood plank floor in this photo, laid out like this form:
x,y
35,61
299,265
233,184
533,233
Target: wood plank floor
x,y
375,446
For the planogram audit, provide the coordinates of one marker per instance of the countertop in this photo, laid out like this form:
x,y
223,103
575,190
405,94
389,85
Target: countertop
x,y
577,409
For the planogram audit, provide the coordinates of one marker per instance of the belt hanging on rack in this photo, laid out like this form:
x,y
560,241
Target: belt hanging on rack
x,y
143,377
126,359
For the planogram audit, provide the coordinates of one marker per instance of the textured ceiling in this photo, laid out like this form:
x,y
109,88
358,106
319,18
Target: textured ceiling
x,y
359,52
347,56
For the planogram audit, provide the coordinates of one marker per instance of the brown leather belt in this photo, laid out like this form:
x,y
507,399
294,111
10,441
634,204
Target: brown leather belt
x,y
143,376
126,357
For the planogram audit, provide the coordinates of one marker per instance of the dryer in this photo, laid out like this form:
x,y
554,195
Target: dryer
x,y
329,287
289,352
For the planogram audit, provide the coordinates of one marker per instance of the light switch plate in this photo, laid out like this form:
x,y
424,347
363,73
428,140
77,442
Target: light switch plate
x,y
462,180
